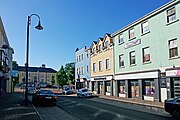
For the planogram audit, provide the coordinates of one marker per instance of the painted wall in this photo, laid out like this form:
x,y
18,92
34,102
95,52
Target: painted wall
x,y
160,32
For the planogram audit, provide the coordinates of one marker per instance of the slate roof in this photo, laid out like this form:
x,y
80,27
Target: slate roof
x,y
35,69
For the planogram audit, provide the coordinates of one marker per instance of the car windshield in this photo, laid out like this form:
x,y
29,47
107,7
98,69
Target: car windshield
x,y
84,90
46,92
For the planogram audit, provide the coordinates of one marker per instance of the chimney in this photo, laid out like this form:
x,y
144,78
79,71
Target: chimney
x,y
43,65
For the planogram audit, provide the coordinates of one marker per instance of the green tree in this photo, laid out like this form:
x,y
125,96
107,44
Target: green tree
x,y
70,72
52,80
14,64
61,77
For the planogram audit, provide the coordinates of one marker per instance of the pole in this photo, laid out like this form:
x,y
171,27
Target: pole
x,y
27,57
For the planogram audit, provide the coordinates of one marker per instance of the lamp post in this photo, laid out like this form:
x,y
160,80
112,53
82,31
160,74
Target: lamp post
x,y
39,27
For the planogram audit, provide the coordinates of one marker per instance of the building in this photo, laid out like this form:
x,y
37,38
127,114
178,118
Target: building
x,y
82,68
147,55
6,52
102,66
41,75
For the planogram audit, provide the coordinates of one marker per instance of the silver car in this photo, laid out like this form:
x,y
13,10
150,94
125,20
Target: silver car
x,y
84,93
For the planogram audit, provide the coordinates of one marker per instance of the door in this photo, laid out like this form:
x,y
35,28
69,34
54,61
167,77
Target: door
x,y
177,87
134,89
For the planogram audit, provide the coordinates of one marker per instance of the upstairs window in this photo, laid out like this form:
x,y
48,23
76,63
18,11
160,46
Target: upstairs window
x,y
106,44
94,50
87,68
146,54
100,48
120,39
82,56
121,60
173,48
100,65
145,27
132,58
171,15
82,70
94,67
79,58
131,33
107,64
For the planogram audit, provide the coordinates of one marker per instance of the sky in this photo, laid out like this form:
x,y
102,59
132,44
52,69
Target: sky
x,y
68,24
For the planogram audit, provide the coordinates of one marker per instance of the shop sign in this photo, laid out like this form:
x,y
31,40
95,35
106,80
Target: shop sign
x,y
173,73
132,43
100,78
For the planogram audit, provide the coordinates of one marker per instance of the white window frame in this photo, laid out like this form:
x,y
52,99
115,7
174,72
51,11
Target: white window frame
x,y
131,57
131,31
146,54
145,27
107,67
94,67
121,62
171,15
120,39
173,47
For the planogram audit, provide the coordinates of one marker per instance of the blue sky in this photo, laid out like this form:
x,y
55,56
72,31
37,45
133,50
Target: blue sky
x,y
68,24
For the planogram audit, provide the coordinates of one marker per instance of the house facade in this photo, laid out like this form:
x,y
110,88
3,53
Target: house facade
x,y
6,52
102,66
82,68
41,75
147,56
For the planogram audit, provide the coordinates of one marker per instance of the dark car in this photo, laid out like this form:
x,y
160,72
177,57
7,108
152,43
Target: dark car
x,y
44,97
172,106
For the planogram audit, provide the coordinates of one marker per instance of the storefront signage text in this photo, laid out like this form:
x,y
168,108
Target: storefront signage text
x,y
132,43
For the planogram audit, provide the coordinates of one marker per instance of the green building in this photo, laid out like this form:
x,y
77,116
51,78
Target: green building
x,y
147,56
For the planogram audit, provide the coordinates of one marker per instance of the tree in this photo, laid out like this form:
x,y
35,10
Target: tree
x,y
70,72
61,77
14,64
52,80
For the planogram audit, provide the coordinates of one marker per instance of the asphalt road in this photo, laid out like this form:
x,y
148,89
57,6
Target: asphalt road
x,y
102,109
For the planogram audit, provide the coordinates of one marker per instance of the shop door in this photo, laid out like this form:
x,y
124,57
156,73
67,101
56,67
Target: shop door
x,y
101,88
177,88
134,89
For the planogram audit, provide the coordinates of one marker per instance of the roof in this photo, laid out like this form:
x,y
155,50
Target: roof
x,y
35,69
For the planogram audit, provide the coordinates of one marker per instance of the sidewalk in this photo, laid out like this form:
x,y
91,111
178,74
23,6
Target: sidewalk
x,y
12,108
151,104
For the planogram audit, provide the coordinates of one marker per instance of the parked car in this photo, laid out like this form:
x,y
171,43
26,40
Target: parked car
x,y
84,93
44,97
67,91
172,106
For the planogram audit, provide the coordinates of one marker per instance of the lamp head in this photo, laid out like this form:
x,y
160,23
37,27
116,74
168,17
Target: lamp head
x,y
39,27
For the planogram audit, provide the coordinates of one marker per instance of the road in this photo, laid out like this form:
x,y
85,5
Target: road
x,y
102,109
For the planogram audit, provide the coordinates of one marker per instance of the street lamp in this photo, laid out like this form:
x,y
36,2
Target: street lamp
x,y
39,27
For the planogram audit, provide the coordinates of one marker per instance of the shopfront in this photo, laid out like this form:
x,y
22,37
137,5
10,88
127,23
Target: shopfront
x,y
102,85
173,82
143,85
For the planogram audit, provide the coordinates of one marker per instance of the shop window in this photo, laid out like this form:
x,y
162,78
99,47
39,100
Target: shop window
x,y
120,39
146,54
145,27
131,33
108,87
122,88
173,48
149,87
132,58
121,60
171,15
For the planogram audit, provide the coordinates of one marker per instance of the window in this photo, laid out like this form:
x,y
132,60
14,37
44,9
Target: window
x,y
107,64
94,67
121,60
82,70
173,48
82,56
131,33
108,87
77,71
171,15
146,54
149,87
94,50
122,87
132,58
145,27
100,48
29,74
87,55
100,65
48,75
120,39
106,44
79,58
87,68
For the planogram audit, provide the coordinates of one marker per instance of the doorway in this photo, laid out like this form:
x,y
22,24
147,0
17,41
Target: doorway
x,y
134,89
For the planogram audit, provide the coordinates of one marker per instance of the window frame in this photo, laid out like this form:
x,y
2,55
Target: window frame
x,y
143,28
130,36
132,57
100,65
107,60
144,56
94,67
174,49
121,62
171,16
121,38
